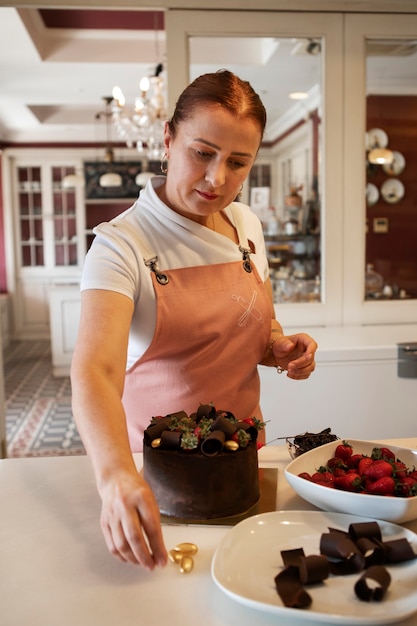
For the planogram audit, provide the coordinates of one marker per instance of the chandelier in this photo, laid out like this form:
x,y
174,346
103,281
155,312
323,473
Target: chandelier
x,y
142,126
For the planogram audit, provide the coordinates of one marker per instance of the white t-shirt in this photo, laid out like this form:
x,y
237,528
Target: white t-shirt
x,y
115,260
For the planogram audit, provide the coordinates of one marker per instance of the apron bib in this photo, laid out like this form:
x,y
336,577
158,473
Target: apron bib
x,y
212,327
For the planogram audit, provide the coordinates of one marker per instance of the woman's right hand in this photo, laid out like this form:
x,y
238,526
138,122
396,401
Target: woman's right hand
x,y
130,521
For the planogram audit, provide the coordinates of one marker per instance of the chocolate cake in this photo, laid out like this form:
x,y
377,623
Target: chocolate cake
x,y
202,466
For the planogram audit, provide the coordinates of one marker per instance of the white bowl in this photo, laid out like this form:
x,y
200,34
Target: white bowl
x,y
389,508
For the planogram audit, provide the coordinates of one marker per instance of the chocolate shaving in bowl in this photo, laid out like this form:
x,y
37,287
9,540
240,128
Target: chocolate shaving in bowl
x,y
309,441
290,590
365,529
359,549
379,575
299,570
399,550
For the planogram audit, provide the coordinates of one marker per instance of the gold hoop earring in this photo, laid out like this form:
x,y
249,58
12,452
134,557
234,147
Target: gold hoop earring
x,y
164,160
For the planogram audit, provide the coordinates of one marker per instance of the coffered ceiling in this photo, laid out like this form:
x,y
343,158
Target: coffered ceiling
x,y
57,65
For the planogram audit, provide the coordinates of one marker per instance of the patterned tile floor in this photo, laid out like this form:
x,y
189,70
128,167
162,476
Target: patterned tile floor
x,y
39,419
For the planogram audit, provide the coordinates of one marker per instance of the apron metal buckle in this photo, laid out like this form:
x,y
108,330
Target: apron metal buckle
x,y
246,259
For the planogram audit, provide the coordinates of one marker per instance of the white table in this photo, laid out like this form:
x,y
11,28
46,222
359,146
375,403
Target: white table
x,y
56,571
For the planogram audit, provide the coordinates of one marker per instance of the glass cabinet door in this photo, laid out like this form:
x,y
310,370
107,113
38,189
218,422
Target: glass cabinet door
x,y
380,274
64,219
295,186
47,217
30,217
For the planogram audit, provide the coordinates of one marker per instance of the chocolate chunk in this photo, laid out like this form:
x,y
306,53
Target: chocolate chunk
x,y
379,575
290,590
365,529
213,443
170,439
399,550
313,569
225,425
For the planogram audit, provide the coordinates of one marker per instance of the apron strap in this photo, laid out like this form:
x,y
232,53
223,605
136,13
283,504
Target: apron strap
x,y
241,235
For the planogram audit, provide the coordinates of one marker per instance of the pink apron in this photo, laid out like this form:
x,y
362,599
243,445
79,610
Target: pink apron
x,y
212,328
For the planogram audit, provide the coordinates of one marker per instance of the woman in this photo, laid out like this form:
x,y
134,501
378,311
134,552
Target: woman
x,y
177,307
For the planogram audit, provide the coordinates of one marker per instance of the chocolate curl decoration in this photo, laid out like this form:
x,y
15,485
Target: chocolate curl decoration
x,y
171,439
299,570
213,443
398,550
155,430
290,590
313,569
206,410
225,425
379,575
338,546
373,551
371,530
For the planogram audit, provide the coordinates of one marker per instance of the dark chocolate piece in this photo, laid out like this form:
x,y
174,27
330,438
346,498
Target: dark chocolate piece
x,y
206,410
171,439
398,550
225,425
313,569
213,443
380,576
340,546
155,430
290,590
365,529
373,551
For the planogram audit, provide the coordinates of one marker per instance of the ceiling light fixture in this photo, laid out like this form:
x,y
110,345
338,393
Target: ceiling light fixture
x,y
379,156
376,142
143,126
109,179
71,181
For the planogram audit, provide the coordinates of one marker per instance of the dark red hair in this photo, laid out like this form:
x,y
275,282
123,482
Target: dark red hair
x,y
222,88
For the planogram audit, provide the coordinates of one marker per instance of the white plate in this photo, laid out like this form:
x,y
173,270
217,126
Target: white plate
x,y
397,166
376,138
249,557
372,194
392,190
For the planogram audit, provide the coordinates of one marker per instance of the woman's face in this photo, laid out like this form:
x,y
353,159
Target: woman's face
x,y
209,158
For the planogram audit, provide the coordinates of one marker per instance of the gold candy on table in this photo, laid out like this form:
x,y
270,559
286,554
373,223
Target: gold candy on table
x,y
183,555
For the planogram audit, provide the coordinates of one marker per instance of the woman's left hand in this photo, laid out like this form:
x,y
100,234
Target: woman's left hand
x,y
295,353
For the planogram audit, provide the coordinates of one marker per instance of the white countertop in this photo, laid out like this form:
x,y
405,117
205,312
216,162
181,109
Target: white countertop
x,y
56,571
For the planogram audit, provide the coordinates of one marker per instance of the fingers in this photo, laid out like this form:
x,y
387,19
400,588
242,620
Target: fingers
x,y
131,541
130,523
296,354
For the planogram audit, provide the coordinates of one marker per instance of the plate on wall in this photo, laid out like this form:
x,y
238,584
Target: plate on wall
x,y
372,194
396,166
249,557
376,138
392,190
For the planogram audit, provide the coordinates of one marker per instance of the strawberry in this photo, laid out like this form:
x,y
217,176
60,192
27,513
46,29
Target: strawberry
x,y
343,451
378,469
363,464
241,437
400,469
305,475
322,478
335,462
406,487
349,482
383,453
353,461
255,422
384,486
